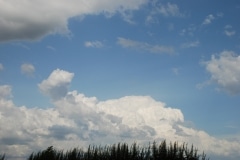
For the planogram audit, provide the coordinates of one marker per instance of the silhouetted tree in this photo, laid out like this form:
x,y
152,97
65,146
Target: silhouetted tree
x,y
122,152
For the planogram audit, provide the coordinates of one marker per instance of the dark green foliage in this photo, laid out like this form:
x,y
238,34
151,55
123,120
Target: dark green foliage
x,y
121,151
52,154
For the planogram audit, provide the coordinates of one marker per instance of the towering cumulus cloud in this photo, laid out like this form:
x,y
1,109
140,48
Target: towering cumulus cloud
x,y
50,17
77,120
56,86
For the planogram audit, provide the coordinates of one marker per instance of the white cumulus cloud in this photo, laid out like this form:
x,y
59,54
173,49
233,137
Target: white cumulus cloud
x,y
225,71
27,69
76,119
5,91
56,85
31,20
128,43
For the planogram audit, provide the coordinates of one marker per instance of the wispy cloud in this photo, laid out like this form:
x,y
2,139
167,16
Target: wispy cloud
x,y
189,31
170,10
190,44
220,14
27,69
166,10
51,48
228,31
175,70
128,43
21,45
93,44
208,19
128,17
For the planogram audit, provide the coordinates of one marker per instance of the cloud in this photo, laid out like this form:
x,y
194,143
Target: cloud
x,y
170,10
5,91
32,20
93,44
167,10
27,69
128,17
188,31
225,71
1,67
175,70
229,31
79,120
228,27
190,44
56,85
128,43
208,19
51,48
220,14
21,45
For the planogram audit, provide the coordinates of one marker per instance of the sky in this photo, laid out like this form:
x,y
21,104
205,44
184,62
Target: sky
x,y
80,72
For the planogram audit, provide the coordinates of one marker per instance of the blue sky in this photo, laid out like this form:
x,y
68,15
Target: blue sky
x,y
185,54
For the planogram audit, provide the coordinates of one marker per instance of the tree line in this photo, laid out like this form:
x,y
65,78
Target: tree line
x,y
122,151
